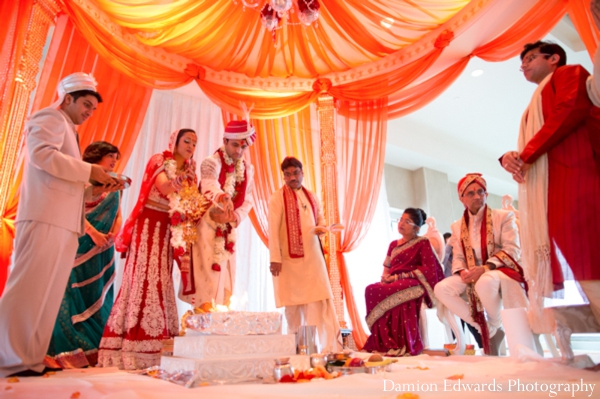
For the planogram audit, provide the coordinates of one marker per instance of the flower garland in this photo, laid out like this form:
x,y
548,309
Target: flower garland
x,y
225,235
175,210
186,206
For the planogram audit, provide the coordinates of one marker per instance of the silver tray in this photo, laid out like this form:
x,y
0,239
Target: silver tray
x,y
343,370
121,178
234,323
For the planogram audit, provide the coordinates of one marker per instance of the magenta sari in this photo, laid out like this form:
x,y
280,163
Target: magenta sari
x,y
393,310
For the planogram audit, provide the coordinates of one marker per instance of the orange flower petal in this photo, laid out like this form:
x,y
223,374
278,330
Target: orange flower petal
x,y
75,395
12,379
455,377
408,395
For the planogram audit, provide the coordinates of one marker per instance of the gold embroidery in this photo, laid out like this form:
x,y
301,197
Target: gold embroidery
x,y
470,179
466,238
423,281
407,245
167,285
96,277
116,319
397,298
470,257
153,317
97,305
139,264
507,261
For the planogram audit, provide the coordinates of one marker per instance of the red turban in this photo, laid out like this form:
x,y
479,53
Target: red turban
x,y
468,179
240,130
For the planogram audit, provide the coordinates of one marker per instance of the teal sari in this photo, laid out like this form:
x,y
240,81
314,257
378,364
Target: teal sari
x,y
89,294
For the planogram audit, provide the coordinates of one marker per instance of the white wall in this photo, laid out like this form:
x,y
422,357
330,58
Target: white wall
x,y
429,190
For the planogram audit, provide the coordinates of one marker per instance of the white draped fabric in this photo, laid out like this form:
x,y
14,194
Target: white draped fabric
x,y
168,111
365,263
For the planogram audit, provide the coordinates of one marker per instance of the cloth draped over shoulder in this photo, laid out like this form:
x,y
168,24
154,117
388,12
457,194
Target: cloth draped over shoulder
x,y
153,168
488,244
89,294
393,310
292,219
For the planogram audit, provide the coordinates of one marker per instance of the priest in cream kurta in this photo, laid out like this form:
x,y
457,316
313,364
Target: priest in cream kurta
x,y
300,279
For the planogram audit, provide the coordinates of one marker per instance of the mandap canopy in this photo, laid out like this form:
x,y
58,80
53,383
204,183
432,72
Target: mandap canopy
x,y
377,59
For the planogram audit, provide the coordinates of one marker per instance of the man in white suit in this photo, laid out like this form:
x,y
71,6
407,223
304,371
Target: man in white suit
x,y
486,253
298,266
49,220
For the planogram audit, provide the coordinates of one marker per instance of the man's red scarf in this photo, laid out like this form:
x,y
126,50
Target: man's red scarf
x,y
238,198
511,268
292,219
239,192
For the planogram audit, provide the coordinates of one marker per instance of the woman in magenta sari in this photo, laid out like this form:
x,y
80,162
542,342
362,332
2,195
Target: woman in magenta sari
x,y
411,270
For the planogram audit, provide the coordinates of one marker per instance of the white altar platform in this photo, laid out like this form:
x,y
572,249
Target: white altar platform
x,y
495,377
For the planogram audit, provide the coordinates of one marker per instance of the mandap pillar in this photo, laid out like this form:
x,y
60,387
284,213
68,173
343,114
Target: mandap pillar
x,y
326,111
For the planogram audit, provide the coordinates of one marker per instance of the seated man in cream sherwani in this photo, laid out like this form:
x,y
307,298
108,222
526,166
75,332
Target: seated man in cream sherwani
x,y
297,263
486,252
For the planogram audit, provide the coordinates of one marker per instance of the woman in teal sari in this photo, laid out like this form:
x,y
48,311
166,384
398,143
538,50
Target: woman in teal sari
x,y
88,297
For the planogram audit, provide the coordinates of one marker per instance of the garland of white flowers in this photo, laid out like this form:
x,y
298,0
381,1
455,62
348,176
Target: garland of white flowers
x,y
177,240
220,252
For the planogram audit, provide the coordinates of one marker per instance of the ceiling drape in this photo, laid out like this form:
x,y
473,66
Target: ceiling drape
x,y
349,52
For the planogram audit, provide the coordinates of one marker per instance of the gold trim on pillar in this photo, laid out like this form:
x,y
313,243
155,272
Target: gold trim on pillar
x,y
326,112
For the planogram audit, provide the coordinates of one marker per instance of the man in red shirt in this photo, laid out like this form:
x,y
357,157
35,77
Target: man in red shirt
x,y
559,184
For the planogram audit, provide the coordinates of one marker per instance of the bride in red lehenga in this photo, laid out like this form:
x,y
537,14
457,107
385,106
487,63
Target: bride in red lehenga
x,y
144,313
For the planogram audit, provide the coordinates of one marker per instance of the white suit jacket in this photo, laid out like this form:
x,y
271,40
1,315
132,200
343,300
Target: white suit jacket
x,y
54,179
506,238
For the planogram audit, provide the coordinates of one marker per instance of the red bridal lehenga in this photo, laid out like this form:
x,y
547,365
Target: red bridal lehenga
x,y
145,312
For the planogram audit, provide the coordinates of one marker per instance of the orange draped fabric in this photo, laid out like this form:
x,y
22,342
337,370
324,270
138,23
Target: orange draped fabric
x,y
226,35
360,152
276,139
397,84
119,56
579,11
531,27
267,105
7,234
118,119
15,16
418,96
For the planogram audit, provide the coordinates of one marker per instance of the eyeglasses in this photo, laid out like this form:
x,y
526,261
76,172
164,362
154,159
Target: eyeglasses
x,y
532,57
290,174
471,194
406,221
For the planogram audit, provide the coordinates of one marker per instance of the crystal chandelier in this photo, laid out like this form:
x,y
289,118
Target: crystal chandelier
x,y
274,14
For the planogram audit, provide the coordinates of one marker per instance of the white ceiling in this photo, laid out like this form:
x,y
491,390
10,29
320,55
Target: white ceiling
x,y
475,121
